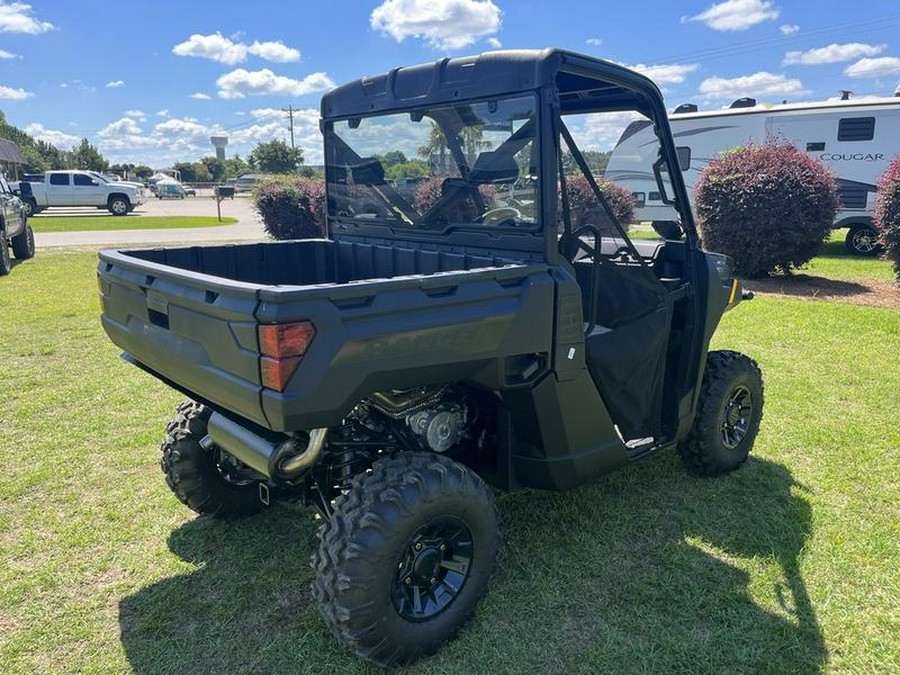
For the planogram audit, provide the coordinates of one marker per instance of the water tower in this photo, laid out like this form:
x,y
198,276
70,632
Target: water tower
x,y
219,143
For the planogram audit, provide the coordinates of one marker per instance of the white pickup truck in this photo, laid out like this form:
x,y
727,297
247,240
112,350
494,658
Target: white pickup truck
x,y
81,188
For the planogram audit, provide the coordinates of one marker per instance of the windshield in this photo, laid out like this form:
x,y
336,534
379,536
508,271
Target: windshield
x,y
465,165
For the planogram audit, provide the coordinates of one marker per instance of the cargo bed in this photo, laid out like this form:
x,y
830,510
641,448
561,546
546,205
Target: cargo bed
x,y
384,316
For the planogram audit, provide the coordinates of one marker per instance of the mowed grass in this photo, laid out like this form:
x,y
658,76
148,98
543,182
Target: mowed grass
x,y
787,566
43,223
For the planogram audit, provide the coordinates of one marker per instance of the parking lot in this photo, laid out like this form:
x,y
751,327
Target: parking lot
x,y
248,227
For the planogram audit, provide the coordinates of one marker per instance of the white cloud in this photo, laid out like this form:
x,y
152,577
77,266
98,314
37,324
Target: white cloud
x,y
667,74
227,50
880,67
136,114
201,97
757,84
593,42
736,14
268,114
215,47
115,84
58,138
444,24
14,94
15,18
240,83
125,126
494,42
8,55
162,113
277,52
833,53
183,128
789,28
600,131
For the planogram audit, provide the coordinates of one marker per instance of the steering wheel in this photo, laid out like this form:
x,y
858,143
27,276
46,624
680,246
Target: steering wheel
x,y
501,213
569,246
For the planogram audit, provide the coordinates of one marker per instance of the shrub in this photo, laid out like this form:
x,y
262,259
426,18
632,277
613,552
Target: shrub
x,y
586,210
887,213
769,207
429,191
291,207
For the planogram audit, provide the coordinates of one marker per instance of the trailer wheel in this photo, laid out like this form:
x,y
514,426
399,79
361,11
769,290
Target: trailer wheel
x,y
206,481
405,557
23,243
729,412
862,239
5,261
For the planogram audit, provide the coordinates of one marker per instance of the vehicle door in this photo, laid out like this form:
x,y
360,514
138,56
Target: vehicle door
x,y
59,190
10,209
86,190
634,282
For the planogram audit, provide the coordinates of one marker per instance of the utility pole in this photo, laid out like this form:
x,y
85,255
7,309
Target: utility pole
x,y
290,111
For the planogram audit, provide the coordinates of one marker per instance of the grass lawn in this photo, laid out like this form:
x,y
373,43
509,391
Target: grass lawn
x,y
109,222
787,566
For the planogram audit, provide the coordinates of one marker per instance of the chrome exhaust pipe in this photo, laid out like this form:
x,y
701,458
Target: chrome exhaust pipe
x,y
279,458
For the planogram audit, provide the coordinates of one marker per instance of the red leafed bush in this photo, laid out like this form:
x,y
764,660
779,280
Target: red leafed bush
x,y
291,207
429,191
586,210
769,207
887,213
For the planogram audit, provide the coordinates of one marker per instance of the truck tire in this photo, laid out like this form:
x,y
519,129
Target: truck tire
x,y
862,239
5,261
30,207
405,557
729,412
198,477
23,243
119,206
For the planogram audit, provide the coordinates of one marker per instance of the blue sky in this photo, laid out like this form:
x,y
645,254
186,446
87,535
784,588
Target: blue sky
x,y
148,82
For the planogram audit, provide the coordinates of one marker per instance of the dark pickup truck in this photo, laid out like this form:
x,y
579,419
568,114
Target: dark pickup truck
x,y
15,232
499,326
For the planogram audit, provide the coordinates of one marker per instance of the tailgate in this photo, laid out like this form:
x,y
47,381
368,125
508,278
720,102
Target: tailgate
x,y
196,330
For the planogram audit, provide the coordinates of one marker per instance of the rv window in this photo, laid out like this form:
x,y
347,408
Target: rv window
x,y
655,197
684,157
640,199
856,129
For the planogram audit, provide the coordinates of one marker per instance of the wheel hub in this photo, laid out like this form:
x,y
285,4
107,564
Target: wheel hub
x,y
736,417
433,569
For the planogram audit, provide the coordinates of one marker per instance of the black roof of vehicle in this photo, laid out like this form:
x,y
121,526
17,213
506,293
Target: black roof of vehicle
x,y
584,83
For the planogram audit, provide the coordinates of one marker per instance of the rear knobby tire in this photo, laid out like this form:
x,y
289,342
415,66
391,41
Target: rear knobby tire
x,y
729,412
194,474
417,524
23,243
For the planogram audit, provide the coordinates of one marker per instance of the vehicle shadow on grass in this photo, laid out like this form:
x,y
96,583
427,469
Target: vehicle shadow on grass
x,y
638,572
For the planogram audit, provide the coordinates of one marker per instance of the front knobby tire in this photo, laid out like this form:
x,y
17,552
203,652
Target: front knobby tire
x,y
5,260
200,478
23,243
405,557
729,412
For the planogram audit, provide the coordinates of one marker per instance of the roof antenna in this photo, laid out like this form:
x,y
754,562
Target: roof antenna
x,y
845,94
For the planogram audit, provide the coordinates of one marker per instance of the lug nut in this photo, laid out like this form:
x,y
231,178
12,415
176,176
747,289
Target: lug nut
x,y
443,547
419,546
433,579
407,581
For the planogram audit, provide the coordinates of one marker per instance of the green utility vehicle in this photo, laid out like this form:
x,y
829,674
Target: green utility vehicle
x,y
498,327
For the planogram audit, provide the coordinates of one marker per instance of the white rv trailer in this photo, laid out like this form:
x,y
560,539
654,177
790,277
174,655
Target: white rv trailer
x,y
856,138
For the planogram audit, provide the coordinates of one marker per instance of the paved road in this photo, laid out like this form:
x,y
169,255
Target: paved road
x,y
248,227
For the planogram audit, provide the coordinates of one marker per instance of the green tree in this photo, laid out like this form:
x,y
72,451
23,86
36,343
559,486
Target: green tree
x,y
185,171
143,171
393,158
234,167
86,156
411,169
275,157
215,167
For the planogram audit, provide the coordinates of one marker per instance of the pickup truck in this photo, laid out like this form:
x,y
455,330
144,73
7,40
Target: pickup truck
x,y
15,231
488,334
81,188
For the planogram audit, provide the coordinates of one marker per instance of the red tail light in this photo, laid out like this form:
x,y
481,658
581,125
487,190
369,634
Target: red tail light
x,y
282,347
